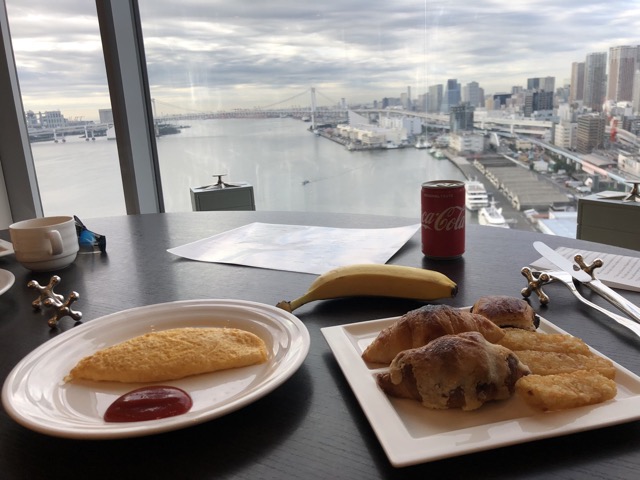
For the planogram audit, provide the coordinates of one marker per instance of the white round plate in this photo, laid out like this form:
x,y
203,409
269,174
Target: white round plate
x,y
6,280
36,396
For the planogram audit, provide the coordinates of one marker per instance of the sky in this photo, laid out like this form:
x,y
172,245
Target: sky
x,y
212,55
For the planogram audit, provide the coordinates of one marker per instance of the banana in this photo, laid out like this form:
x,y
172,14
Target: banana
x,y
376,280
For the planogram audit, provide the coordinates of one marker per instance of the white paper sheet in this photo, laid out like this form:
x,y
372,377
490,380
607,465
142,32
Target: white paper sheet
x,y
298,248
617,271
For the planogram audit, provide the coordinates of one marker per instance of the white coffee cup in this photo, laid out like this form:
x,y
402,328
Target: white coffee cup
x,y
45,244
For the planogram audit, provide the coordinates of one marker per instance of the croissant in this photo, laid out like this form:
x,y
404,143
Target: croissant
x,y
418,327
507,311
454,371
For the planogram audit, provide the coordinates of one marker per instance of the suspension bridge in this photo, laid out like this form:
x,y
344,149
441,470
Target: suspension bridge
x,y
308,110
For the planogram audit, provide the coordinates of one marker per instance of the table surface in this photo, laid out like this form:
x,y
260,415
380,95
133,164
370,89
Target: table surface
x,y
311,426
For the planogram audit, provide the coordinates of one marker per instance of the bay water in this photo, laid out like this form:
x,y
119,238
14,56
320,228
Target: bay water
x,y
290,169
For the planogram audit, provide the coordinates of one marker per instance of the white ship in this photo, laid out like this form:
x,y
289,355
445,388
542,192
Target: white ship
x,y
491,216
422,143
475,195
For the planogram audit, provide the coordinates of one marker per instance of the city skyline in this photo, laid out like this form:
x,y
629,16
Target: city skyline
x,y
207,56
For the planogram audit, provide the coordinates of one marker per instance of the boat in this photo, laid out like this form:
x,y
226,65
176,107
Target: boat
x,y
491,216
421,143
476,196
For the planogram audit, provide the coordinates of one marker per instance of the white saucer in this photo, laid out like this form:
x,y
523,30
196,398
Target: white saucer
x,y
6,248
6,280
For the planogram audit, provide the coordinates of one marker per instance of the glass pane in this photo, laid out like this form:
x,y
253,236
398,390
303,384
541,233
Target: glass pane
x,y
238,82
246,85
65,96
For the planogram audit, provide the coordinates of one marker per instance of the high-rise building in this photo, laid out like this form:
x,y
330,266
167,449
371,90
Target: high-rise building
x,y
542,100
452,95
595,78
577,82
565,134
635,101
404,101
461,118
473,94
622,67
548,84
590,132
422,103
500,100
435,98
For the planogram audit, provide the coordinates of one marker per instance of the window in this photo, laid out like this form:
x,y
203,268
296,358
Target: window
x,y
65,97
262,95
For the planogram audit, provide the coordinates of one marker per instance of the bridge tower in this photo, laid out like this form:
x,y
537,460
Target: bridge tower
x,y
313,108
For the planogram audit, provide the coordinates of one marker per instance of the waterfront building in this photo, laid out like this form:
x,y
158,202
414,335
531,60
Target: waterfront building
x,y
51,119
465,141
412,125
32,119
595,78
390,131
105,115
622,67
590,133
576,92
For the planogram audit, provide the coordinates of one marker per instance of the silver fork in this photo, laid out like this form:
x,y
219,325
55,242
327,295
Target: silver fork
x,y
567,279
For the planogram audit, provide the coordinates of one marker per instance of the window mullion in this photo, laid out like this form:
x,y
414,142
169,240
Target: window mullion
x,y
125,63
16,160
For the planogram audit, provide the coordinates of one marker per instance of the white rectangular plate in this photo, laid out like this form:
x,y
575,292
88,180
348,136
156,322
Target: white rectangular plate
x,y
411,434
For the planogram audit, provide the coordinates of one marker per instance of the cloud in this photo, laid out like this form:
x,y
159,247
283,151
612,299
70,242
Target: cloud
x,y
205,55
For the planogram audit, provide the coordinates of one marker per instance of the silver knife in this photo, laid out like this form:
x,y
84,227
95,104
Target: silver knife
x,y
593,283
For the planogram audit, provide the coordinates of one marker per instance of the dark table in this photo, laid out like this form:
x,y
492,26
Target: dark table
x,y
312,426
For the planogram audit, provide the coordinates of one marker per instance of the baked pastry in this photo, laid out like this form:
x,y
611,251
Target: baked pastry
x,y
418,327
566,390
172,354
507,311
454,371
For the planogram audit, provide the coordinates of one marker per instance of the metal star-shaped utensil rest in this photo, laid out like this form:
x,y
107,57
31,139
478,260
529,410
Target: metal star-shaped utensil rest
x,y
49,299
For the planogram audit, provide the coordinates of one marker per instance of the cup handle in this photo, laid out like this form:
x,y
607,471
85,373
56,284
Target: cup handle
x,y
56,242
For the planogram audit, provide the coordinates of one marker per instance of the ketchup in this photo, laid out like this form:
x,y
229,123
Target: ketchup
x,y
149,403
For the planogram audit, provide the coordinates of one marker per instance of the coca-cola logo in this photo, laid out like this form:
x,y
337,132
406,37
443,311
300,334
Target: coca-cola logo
x,y
452,218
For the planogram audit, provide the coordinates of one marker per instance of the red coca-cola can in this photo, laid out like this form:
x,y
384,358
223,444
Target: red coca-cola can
x,y
443,218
